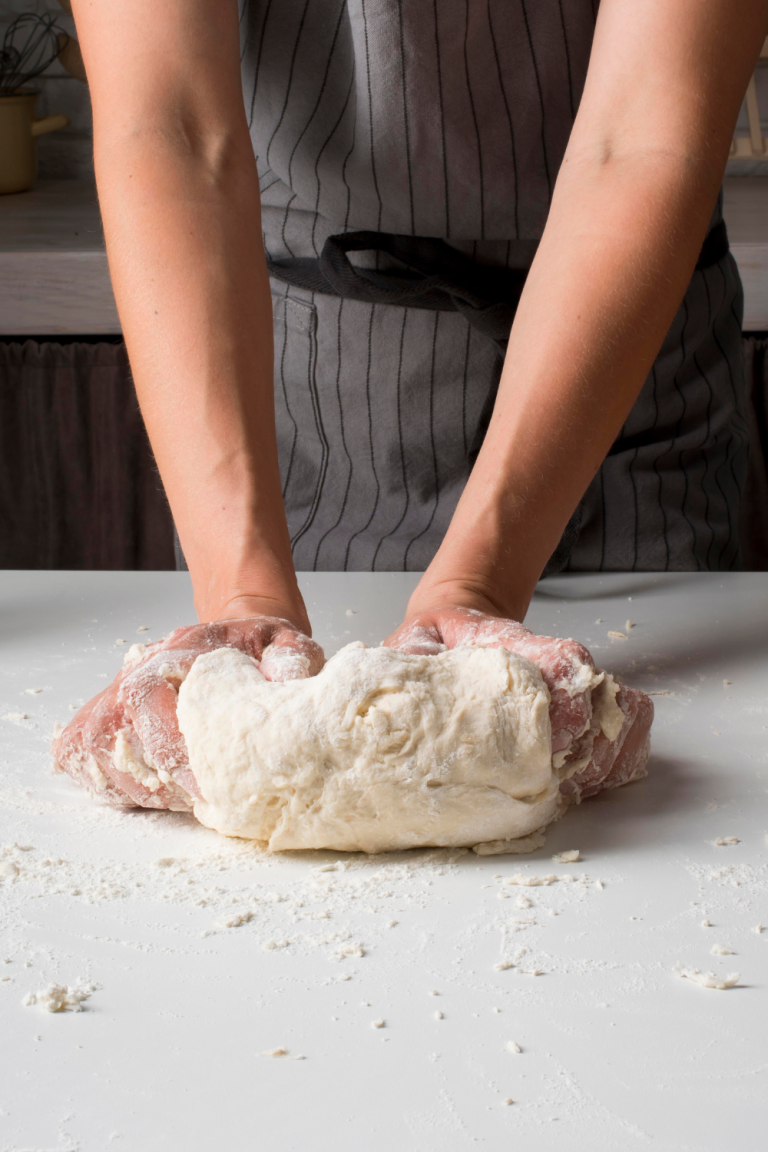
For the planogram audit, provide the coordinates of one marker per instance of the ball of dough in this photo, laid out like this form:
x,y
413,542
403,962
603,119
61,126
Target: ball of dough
x,y
379,751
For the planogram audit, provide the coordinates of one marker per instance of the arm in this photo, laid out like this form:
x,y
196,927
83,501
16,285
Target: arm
x,y
629,213
179,196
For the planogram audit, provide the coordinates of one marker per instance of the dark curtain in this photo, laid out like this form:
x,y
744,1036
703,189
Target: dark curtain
x,y
79,487
753,527
78,484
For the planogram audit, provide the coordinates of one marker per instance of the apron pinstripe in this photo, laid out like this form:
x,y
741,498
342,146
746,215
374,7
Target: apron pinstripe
x,y
449,118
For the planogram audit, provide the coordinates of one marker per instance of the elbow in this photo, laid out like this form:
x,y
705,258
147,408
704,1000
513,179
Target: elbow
x,y
687,154
211,150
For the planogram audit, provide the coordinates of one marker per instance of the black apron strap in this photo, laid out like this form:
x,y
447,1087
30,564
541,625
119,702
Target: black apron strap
x,y
434,276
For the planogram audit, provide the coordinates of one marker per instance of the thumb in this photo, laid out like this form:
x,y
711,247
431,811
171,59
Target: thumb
x,y
291,656
418,637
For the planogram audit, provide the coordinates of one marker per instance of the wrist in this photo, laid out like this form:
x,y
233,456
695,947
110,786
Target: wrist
x,y
435,592
264,585
242,606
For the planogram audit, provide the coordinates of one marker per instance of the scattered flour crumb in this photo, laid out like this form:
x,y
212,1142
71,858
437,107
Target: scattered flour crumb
x,y
724,841
8,870
351,612
721,950
519,847
272,945
614,635
599,884
759,928
237,919
530,881
513,1047
569,857
60,997
708,979
523,902
393,924
33,691
134,654
15,716
439,1015
349,949
706,924
142,628
629,624
120,640
378,1023
508,1100
503,965
726,681
277,1052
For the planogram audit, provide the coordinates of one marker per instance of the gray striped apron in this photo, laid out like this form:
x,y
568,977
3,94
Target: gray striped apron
x,y
448,119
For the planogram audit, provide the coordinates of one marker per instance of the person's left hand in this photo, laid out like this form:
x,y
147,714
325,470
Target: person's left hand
x,y
570,675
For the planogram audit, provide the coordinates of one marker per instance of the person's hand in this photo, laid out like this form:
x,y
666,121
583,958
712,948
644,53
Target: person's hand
x,y
125,744
569,673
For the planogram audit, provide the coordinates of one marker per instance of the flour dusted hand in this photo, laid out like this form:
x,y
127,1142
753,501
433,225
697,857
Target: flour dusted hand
x,y
600,728
125,745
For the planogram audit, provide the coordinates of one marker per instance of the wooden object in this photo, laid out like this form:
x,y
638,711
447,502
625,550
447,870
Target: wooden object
x,y
54,277
754,146
745,206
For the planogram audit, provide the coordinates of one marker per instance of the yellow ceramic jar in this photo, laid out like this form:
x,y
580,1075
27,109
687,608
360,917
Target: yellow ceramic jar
x,y
18,130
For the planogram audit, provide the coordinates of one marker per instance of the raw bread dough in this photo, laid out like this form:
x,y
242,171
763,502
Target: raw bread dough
x,y
381,750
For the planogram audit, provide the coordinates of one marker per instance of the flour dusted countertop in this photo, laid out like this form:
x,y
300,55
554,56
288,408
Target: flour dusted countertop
x,y
417,1001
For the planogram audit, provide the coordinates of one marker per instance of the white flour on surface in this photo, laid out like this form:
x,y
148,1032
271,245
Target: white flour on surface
x,y
708,979
60,997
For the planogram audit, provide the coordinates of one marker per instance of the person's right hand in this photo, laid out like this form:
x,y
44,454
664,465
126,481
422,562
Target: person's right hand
x,y
125,744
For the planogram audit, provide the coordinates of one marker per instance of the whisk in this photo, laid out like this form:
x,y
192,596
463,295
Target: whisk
x,y
31,43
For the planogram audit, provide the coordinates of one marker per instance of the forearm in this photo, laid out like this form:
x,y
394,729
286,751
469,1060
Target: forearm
x,y
629,213
179,195
620,245
188,268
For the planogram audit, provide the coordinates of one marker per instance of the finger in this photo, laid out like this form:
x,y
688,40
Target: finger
x,y
619,761
149,695
291,656
421,636
632,757
83,758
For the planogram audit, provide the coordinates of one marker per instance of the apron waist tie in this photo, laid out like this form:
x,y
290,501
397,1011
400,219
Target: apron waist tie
x,y
436,277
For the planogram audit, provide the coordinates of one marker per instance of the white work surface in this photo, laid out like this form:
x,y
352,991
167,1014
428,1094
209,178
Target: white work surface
x,y
618,1052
